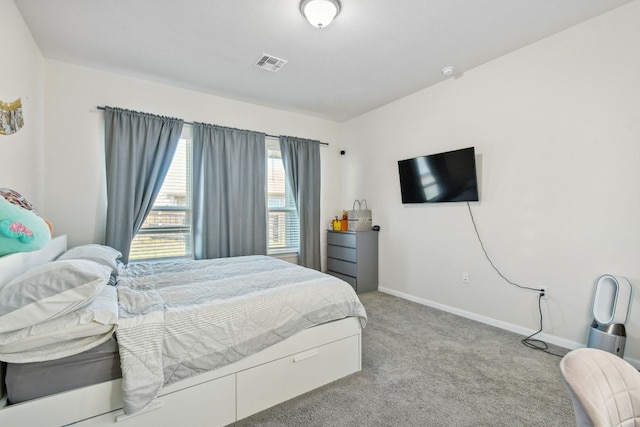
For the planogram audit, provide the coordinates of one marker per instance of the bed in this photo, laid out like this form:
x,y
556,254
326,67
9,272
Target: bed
x,y
175,368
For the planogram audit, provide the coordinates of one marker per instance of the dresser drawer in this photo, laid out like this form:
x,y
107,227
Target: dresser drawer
x,y
342,239
350,280
340,252
344,267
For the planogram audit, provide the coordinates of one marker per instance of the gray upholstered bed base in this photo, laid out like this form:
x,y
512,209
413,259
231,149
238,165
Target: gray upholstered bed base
x,y
26,381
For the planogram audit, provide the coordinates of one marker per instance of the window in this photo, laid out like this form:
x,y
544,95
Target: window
x,y
283,229
166,232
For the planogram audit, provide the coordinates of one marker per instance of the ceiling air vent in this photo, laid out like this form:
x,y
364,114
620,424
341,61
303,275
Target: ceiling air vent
x,y
271,63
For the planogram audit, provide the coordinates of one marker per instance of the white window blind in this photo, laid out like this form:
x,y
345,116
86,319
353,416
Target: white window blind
x,y
166,232
283,231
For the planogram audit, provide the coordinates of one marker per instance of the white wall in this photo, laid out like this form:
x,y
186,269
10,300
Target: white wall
x,y
556,127
22,76
75,178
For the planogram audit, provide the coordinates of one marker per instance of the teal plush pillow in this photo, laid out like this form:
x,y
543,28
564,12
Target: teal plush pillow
x,y
21,230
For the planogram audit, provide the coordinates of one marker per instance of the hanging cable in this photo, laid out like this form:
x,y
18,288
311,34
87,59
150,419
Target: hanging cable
x,y
536,344
528,341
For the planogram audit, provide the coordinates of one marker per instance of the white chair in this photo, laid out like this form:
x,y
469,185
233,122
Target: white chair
x,y
604,388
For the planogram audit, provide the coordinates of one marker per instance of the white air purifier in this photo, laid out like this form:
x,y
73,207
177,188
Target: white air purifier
x,y
611,304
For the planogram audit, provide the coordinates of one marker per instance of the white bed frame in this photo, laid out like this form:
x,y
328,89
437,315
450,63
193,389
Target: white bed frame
x,y
301,363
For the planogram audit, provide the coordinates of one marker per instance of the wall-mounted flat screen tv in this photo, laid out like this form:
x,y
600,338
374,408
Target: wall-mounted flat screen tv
x,y
442,177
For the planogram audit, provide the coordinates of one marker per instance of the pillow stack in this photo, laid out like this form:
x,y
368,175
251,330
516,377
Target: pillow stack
x,y
59,298
49,291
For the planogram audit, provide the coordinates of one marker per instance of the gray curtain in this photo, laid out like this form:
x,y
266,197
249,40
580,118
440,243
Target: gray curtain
x,y
229,192
139,149
301,159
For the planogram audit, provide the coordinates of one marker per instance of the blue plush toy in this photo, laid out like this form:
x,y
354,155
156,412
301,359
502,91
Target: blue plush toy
x,y
21,230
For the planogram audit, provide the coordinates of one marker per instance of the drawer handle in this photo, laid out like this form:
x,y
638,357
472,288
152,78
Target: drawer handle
x,y
304,356
152,407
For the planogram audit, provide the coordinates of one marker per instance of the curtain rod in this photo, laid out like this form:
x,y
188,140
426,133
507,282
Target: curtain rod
x,y
266,134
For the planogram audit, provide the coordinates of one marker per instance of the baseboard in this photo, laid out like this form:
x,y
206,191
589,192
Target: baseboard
x,y
551,339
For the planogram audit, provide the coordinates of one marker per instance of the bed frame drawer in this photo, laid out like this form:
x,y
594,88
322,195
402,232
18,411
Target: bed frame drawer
x,y
275,382
181,408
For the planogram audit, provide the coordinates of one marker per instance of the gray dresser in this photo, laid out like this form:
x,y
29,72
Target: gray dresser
x,y
353,257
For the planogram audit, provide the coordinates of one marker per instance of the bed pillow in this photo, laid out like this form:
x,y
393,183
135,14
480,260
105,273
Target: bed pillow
x,y
49,291
70,334
21,230
104,255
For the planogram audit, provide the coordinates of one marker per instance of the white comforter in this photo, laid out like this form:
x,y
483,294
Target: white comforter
x,y
184,318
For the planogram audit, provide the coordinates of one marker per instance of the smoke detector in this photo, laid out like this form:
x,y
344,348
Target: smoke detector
x,y
448,71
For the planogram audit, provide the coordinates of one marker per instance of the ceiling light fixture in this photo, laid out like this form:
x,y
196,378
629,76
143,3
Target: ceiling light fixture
x,y
320,13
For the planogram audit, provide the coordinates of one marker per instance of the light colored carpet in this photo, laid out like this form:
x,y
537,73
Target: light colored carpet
x,y
426,367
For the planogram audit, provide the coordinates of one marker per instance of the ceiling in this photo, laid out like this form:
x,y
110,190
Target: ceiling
x,y
374,52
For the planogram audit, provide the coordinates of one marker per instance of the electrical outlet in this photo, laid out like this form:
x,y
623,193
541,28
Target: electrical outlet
x,y
545,292
465,277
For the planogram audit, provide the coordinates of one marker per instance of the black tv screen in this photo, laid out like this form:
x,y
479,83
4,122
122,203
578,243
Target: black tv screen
x,y
442,177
